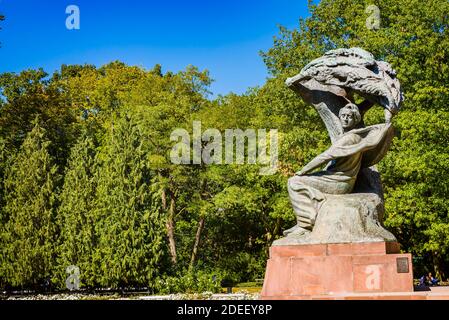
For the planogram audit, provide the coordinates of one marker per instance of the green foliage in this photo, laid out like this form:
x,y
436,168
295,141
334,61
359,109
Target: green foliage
x,y
197,281
3,158
415,175
30,94
29,230
127,221
4,155
76,220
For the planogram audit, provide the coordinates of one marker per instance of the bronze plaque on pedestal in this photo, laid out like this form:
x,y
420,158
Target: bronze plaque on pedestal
x,y
402,265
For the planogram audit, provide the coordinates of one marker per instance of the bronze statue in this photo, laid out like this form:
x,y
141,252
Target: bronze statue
x,y
347,195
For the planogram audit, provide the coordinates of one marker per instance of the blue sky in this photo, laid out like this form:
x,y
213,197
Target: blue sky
x,y
224,37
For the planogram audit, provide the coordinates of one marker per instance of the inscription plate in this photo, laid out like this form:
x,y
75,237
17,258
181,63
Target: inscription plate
x,y
402,265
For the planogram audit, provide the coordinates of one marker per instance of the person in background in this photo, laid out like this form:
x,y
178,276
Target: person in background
x,y
432,281
423,281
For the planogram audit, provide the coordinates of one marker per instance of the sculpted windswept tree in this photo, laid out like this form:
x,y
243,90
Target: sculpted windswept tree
x,y
413,37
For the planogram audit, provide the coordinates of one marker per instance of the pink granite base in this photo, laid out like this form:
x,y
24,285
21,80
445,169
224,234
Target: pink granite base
x,y
332,270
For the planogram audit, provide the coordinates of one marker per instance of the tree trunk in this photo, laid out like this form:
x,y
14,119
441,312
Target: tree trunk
x,y
164,200
197,243
438,266
171,230
170,224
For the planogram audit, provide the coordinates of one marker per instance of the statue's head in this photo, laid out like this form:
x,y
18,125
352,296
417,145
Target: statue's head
x,y
349,116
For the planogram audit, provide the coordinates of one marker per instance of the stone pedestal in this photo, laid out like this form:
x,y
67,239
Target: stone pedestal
x,y
311,270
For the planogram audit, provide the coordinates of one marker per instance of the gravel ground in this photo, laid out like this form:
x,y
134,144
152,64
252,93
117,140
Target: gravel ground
x,y
61,297
202,296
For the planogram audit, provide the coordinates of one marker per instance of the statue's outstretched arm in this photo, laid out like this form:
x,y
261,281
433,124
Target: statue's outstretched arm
x,y
317,162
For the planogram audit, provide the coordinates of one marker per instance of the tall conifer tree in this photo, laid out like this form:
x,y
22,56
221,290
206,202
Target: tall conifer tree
x,y
76,220
128,222
29,234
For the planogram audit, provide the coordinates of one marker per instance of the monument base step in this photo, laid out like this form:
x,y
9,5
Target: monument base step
x,y
428,295
339,271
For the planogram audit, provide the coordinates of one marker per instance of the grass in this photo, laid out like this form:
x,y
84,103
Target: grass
x,y
251,290
254,287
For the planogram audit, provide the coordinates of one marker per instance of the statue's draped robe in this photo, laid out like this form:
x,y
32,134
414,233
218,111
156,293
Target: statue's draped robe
x,y
356,149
